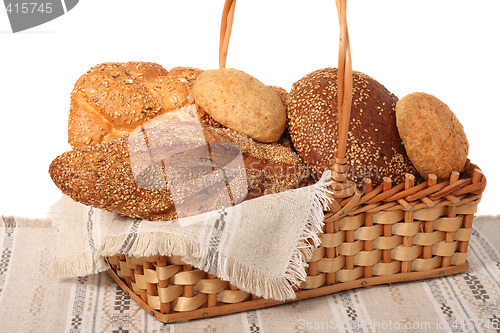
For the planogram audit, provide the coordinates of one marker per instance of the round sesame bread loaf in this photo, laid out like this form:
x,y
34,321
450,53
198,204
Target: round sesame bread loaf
x,y
112,99
432,135
374,148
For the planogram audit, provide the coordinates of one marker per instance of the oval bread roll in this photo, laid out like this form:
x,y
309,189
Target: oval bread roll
x,y
432,135
239,101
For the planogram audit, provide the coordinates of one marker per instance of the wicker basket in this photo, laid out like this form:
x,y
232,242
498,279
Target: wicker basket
x,y
391,233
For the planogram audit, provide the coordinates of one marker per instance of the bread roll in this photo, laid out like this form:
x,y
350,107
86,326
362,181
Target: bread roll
x,y
239,101
374,148
207,120
432,135
127,176
112,99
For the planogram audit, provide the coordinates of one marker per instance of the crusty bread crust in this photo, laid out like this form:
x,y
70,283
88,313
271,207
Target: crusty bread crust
x,y
103,175
239,101
374,148
112,99
432,135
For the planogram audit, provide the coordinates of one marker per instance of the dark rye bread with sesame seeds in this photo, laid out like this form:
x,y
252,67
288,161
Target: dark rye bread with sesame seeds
x,y
374,148
112,99
103,175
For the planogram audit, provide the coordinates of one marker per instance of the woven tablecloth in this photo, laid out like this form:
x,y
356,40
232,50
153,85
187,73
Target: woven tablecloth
x,y
31,300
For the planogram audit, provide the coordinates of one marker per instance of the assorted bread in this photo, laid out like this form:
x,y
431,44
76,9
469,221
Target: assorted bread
x,y
132,127
113,104
433,137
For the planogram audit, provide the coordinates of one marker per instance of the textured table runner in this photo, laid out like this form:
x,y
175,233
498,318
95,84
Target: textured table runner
x,y
31,300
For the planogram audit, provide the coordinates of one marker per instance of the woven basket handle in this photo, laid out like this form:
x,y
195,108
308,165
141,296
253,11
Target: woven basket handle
x,y
226,25
344,79
344,93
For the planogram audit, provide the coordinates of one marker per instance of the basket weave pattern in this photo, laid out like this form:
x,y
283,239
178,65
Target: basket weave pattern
x,y
398,229
392,234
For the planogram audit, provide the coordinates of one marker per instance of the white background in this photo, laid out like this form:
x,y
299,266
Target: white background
x,y
447,48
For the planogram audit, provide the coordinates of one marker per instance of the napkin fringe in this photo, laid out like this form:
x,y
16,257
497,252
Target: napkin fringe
x,y
281,288
309,240
76,264
165,245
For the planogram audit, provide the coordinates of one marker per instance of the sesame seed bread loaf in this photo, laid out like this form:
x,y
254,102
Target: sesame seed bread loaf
x,y
374,148
111,176
112,99
239,101
432,135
